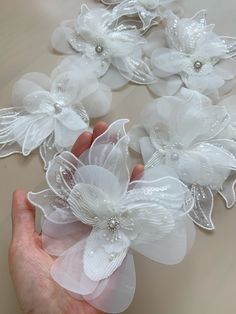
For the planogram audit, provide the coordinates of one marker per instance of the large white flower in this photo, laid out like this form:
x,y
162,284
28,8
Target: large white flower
x,y
97,35
150,12
94,216
191,54
188,134
51,112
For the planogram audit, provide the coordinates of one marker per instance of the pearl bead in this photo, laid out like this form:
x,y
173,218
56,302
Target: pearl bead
x,y
174,156
113,224
99,48
198,65
58,108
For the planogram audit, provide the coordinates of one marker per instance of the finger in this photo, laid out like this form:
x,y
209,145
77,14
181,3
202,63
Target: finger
x,y
137,172
83,143
23,216
99,128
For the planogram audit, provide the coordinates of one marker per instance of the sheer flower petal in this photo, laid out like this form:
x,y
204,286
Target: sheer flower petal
x,y
98,103
100,178
60,174
89,203
68,271
54,208
60,40
21,89
100,263
171,249
57,238
115,294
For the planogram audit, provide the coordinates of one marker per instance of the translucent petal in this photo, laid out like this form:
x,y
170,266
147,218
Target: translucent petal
x,y
21,89
98,103
135,134
68,271
204,83
65,137
167,86
169,61
202,210
226,69
60,174
160,194
110,150
228,191
230,43
48,150
169,250
89,203
101,178
136,70
60,40
38,78
114,79
9,149
72,120
39,129
57,238
54,208
100,263
39,102
116,293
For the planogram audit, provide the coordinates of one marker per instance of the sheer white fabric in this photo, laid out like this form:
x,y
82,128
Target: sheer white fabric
x,y
190,54
93,195
98,35
150,12
203,157
51,113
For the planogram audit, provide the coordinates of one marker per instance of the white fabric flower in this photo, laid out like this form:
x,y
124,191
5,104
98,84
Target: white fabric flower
x,y
187,134
50,113
94,193
97,35
192,55
150,12
227,190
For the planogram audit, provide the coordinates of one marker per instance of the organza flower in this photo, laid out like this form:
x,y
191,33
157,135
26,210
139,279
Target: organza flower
x,y
192,55
150,12
227,190
190,135
50,113
94,216
97,35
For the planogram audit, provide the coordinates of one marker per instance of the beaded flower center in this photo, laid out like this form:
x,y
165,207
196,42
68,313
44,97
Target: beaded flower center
x,y
113,223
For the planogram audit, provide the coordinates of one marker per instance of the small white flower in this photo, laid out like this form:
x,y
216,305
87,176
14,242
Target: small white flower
x,y
187,134
150,12
103,216
97,35
193,56
50,113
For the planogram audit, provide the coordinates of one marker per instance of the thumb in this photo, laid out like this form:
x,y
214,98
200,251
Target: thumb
x,y
23,217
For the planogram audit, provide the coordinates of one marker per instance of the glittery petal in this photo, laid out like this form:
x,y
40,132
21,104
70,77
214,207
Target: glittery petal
x,y
202,210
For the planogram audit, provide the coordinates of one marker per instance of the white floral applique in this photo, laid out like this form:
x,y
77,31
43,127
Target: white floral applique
x,y
97,35
190,135
94,218
227,190
150,12
190,54
49,113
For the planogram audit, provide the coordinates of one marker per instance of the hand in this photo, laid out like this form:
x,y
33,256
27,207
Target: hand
x,y
30,265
